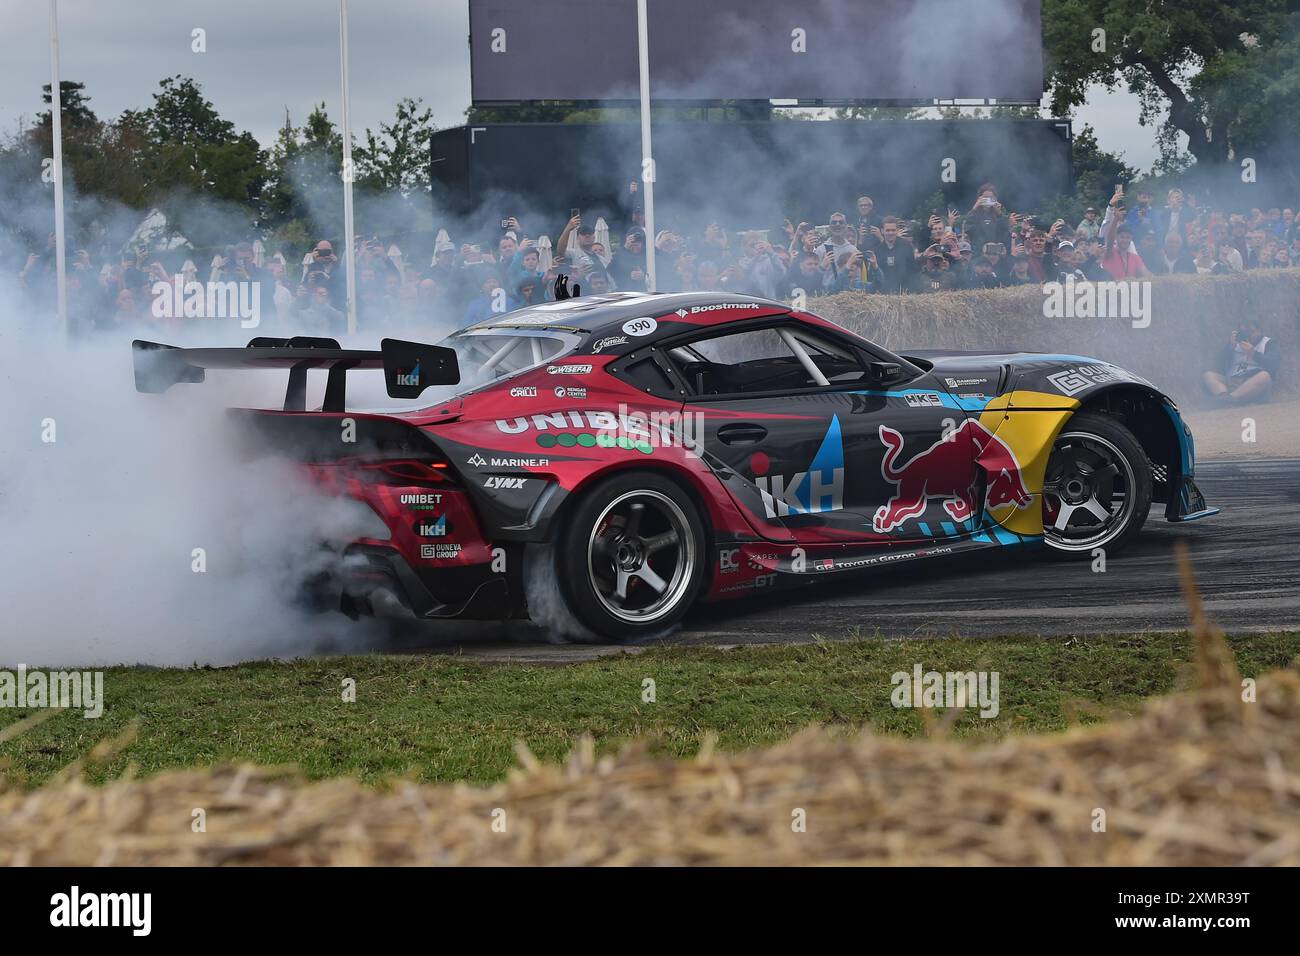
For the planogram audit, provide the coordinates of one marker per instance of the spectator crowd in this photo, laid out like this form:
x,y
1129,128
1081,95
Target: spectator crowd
x,y
516,263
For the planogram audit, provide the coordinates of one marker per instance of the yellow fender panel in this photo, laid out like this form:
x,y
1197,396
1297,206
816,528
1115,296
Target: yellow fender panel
x,y
1027,422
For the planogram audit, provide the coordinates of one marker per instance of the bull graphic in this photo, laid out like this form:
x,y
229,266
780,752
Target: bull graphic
x,y
950,469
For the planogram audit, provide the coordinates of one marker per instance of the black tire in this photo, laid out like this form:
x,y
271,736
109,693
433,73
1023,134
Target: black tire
x,y
1096,464
628,559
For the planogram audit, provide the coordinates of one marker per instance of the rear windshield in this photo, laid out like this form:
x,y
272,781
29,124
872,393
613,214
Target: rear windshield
x,y
486,354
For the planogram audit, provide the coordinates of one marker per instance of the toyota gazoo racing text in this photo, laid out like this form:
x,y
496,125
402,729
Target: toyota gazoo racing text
x,y
631,454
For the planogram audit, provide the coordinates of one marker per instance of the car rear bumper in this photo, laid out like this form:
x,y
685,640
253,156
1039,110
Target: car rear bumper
x,y
379,580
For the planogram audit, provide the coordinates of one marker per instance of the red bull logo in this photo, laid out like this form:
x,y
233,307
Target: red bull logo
x,y
949,469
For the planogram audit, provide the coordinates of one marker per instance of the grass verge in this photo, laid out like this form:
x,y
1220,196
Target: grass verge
x,y
446,719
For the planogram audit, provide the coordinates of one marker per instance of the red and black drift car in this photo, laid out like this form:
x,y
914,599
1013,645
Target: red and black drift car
x,y
630,454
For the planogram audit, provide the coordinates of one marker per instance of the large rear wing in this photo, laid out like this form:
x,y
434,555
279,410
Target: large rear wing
x,y
409,367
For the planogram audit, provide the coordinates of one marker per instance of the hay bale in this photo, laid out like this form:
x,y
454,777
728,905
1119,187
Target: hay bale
x,y
1197,779
1192,318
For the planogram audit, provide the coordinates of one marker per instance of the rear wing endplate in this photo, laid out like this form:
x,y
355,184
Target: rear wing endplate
x,y
409,367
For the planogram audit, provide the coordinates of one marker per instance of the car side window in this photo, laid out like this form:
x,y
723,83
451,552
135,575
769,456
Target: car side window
x,y
776,359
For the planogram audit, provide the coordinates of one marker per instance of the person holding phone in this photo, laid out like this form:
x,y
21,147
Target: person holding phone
x,y
867,219
586,236
1122,260
1246,368
986,221
323,261
628,267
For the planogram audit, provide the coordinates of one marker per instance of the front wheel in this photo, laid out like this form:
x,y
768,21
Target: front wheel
x,y
1097,489
629,559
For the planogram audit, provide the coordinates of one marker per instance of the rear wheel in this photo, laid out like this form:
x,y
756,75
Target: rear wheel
x,y
1097,489
629,559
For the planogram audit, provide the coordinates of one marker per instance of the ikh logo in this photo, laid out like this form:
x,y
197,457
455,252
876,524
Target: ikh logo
x,y
410,378
950,469
434,529
820,488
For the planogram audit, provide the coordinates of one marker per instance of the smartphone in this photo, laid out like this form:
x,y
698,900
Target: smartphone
x,y
505,223
575,212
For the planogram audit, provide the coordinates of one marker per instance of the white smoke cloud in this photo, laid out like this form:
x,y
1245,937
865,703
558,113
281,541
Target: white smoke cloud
x,y
102,522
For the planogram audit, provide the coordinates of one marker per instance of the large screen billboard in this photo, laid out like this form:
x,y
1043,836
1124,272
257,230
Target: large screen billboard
x,y
750,175
811,51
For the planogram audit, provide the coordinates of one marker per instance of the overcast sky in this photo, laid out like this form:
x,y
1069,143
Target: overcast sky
x,y
265,55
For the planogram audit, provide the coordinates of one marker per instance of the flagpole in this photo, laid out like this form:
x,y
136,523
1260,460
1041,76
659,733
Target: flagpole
x,y
56,128
349,254
647,160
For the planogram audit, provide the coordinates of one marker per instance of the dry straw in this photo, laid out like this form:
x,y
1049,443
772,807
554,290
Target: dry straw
x,y
1201,778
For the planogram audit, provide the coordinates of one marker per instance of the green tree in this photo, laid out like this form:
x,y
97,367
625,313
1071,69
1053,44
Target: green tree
x,y
196,154
878,112
398,159
105,166
306,177
75,112
1192,63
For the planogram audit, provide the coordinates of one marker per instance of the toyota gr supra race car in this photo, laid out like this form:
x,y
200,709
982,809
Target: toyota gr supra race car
x,y
631,454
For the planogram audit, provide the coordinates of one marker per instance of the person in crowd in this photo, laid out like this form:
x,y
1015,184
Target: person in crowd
x,y
1067,262
984,277
1019,274
986,221
763,269
935,274
490,301
1176,217
1039,259
322,263
867,219
628,268
1172,258
1238,229
852,271
498,266
1142,218
316,314
1089,226
995,253
1092,252
1121,259
1246,369
586,237
894,255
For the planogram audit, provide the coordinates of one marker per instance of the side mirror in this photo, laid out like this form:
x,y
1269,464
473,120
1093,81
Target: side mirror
x,y
884,371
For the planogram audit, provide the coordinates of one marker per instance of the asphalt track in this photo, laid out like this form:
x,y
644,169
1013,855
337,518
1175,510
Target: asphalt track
x,y
1247,562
